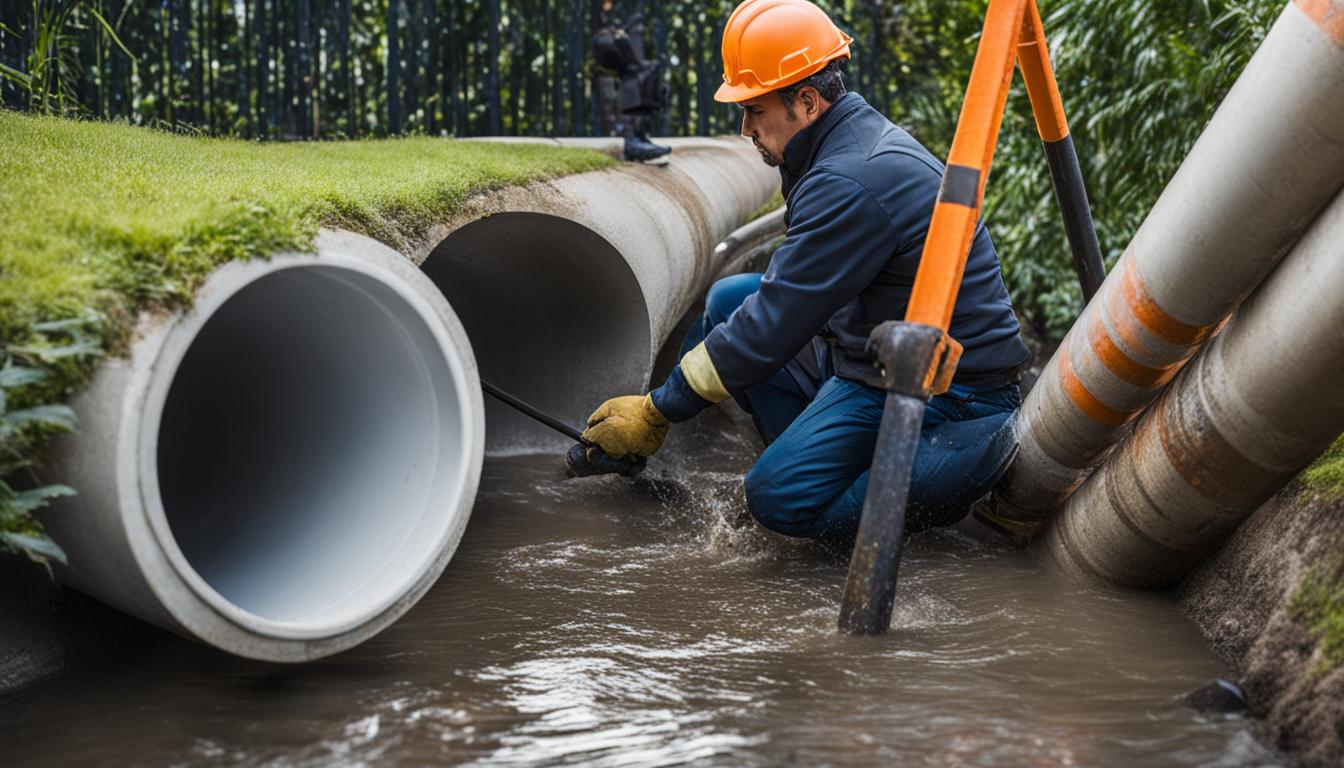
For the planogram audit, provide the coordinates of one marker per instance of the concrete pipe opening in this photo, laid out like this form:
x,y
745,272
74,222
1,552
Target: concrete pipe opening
x,y
555,315
307,449
285,469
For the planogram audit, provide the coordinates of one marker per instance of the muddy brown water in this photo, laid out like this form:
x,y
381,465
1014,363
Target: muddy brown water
x,y
610,622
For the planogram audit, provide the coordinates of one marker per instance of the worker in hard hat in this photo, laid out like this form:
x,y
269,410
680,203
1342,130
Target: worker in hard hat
x,y
788,345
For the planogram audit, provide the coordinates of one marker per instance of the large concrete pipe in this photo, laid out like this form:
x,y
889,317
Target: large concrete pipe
x,y
1269,161
1253,409
567,288
283,470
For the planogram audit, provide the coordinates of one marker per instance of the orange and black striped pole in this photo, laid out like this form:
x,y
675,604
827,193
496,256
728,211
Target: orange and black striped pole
x,y
917,356
1034,60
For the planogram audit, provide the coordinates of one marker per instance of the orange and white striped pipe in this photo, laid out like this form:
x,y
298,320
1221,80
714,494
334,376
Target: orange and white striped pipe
x,y
1269,161
1251,411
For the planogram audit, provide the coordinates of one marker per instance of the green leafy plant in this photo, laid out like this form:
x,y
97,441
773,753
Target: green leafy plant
x,y
27,416
53,67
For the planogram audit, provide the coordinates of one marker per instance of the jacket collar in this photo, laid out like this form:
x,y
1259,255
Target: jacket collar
x,y
802,149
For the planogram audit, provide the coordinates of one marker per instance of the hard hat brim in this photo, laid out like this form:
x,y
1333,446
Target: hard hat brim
x,y
732,94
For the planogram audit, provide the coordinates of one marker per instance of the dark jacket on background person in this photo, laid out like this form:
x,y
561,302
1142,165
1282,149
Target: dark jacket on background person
x,y
859,193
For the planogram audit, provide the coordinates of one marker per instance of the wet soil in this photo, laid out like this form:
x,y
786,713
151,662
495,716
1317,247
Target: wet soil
x,y
1241,598
610,622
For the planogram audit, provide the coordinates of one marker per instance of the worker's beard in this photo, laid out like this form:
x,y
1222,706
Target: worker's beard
x,y
766,157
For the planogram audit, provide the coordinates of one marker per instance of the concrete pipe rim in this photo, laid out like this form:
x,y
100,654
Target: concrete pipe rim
x,y
430,534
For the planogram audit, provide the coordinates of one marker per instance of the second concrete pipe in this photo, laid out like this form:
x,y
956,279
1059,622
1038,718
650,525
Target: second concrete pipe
x,y
1257,405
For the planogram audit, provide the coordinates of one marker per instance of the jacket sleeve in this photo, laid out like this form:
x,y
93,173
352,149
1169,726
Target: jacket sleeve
x,y
839,239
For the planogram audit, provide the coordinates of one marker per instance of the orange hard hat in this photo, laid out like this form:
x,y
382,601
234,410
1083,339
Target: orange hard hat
x,y
769,44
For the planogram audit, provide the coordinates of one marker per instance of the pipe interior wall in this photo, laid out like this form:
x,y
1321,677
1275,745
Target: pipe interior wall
x,y
292,447
1270,160
554,313
1254,408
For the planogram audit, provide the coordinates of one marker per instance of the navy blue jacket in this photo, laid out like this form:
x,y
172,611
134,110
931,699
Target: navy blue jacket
x,y
859,193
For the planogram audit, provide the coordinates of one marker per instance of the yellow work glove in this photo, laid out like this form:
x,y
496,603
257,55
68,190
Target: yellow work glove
x,y
627,426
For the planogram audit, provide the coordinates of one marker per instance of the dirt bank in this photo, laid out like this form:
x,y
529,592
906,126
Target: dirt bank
x,y
1259,601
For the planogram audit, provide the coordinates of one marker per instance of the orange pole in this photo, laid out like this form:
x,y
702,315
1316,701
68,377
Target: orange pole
x,y
957,211
1034,59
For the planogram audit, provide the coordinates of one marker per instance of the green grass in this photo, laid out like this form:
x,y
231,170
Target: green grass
x,y
1319,604
1327,473
97,213
100,221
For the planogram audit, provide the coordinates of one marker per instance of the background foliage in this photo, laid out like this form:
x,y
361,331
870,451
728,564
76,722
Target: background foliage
x,y
1139,81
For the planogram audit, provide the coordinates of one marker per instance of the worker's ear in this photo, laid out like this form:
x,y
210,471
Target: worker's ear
x,y
812,102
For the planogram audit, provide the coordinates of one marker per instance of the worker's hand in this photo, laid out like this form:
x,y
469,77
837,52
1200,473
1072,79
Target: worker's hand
x,y
626,427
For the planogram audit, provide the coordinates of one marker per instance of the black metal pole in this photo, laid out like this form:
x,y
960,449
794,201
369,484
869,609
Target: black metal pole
x,y
584,459
548,420
906,352
871,587
1071,194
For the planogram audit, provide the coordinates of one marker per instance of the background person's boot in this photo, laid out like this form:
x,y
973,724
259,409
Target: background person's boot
x,y
639,149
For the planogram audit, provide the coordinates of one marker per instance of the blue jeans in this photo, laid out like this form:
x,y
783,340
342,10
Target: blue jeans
x,y
820,432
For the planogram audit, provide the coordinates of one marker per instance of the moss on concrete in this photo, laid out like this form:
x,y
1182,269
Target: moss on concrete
x,y
1319,604
102,220
1326,474
775,202
1319,600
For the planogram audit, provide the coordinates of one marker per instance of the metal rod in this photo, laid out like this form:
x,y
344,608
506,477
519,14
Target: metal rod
x,y
1072,197
524,408
905,351
870,589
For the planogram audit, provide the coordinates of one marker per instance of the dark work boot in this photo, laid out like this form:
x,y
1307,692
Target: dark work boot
x,y
640,149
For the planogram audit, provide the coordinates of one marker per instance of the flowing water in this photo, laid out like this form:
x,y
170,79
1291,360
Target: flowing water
x,y
609,622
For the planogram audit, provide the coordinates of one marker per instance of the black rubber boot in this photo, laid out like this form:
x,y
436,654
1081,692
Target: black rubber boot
x,y
638,148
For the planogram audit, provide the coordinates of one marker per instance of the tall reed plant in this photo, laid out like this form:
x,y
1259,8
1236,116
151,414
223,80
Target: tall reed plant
x,y
51,74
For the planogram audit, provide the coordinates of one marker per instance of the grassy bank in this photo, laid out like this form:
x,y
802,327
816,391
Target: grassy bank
x,y
1319,600
1319,604
1327,473
104,220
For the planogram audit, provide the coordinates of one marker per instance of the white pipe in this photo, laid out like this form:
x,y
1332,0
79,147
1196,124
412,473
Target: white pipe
x,y
1269,161
568,288
1255,407
284,469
